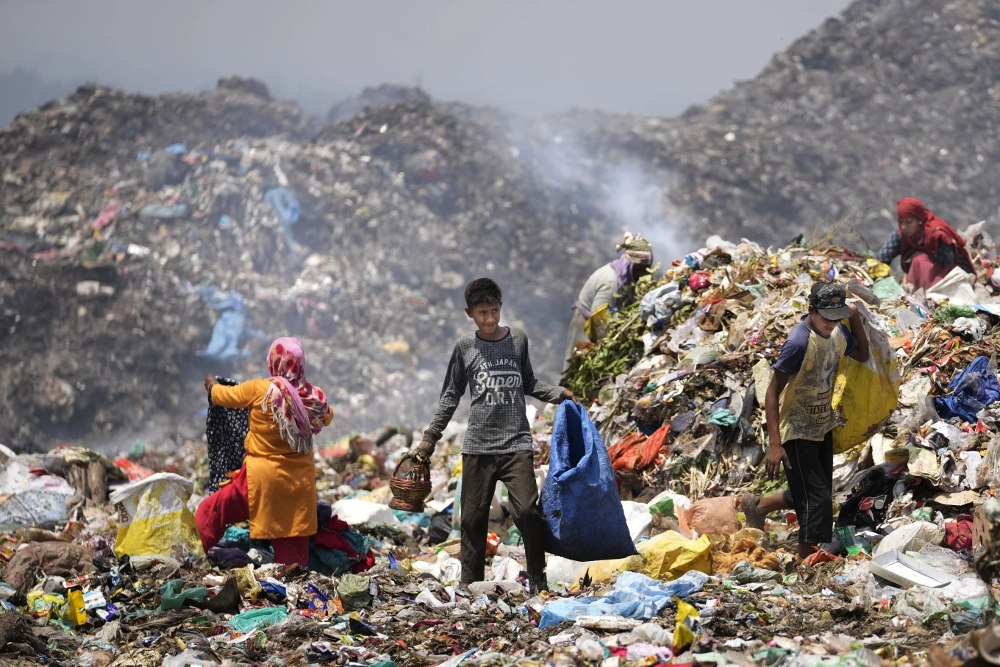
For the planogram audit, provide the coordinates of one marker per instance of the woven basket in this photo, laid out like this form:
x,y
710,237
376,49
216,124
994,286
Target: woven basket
x,y
410,491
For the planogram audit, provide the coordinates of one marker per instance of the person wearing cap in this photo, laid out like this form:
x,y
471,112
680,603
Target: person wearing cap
x,y
609,287
798,407
927,246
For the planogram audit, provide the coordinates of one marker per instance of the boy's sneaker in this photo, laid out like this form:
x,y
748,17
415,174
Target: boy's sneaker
x,y
750,504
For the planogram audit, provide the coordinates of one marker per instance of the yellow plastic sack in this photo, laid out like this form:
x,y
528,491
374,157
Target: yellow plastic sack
x,y
597,324
865,393
670,554
665,556
154,519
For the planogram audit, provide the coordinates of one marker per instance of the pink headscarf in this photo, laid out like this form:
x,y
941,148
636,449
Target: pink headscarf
x,y
298,408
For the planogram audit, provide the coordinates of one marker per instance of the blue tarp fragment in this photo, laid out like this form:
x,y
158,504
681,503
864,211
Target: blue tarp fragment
x,y
970,391
634,596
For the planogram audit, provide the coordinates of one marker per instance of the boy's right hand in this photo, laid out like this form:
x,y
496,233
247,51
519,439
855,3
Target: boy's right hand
x,y
423,451
776,455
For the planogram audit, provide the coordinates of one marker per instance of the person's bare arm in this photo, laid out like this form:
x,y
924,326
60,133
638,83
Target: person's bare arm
x,y
860,351
776,451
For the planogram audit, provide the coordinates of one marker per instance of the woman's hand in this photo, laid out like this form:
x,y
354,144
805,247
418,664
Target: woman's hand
x,y
210,382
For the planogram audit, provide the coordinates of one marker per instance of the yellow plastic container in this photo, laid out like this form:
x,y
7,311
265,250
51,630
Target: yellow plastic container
x,y
75,612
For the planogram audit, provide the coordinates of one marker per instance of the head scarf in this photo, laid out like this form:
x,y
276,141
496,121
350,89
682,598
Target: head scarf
x,y
935,232
637,249
297,407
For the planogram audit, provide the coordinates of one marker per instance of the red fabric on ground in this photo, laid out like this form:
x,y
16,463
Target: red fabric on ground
x,y
637,452
222,509
291,550
958,533
330,536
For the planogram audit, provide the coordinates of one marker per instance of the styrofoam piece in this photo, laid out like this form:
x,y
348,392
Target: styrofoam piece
x,y
905,571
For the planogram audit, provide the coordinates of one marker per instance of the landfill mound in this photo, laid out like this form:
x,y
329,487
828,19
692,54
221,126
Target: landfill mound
x,y
231,217
151,240
95,569
892,98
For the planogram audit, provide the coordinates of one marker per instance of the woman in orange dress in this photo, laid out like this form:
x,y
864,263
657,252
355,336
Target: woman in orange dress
x,y
276,487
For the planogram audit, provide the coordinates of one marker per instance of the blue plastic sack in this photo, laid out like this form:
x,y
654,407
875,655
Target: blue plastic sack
x,y
970,391
583,512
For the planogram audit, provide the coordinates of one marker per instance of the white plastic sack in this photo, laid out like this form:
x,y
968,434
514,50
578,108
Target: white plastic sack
x,y
154,518
27,500
445,568
638,519
505,568
34,507
956,287
564,571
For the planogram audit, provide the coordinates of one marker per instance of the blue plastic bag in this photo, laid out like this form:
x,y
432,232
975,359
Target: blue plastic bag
x,y
970,391
583,512
634,595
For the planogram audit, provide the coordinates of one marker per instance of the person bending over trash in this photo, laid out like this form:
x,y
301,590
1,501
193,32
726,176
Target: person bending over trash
x,y
276,487
494,363
799,412
927,245
607,287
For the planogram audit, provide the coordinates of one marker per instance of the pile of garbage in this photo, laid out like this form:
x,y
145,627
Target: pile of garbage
x,y
912,574
180,231
890,99
149,240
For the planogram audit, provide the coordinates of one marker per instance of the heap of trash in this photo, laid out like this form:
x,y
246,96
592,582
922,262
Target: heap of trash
x,y
148,240
101,563
174,229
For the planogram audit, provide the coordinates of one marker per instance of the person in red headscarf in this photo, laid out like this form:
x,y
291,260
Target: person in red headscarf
x,y
275,490
927,245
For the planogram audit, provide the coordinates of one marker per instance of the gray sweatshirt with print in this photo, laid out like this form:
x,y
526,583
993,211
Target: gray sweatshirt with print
x,y
498,375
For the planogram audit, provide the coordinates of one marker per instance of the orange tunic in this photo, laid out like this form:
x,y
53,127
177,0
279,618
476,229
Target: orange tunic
x,y
281,484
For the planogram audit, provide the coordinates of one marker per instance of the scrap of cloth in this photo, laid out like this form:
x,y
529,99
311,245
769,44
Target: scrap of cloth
x,y
637,452
225,431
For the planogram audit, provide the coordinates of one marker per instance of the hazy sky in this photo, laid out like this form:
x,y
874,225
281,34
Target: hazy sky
x,y
644,56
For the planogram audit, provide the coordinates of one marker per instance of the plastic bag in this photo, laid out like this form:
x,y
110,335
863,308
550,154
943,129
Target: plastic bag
x,y
154,517
665,556
633,596
865,393
255,619
970,391
580,487
597,324
713,515
867,507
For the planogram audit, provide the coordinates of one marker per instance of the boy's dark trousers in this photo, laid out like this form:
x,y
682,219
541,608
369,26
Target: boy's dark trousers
x,y
480,474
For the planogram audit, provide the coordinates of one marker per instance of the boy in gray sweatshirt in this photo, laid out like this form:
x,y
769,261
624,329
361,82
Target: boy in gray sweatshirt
x,y
493,363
